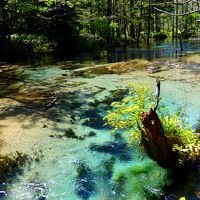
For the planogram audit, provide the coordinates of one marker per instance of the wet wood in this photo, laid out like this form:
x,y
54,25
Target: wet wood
x,y
155,142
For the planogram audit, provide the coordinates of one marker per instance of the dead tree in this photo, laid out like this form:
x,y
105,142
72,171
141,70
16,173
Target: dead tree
x,y
154,140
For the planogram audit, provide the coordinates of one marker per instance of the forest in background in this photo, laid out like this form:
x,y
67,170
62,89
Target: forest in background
x,y
64,27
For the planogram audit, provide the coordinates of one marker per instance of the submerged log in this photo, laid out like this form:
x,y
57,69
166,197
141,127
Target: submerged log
x,y
155,142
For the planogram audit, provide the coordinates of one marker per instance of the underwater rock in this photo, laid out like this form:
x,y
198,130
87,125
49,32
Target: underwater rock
x,y
44,126
131,65
69,133
73,117
85,181
41,198
115,68
11,165
56,136
114,148
91,134
84,73
95,122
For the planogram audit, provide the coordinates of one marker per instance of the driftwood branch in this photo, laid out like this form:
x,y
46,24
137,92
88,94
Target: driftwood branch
x,y
176,14
182,3
157,94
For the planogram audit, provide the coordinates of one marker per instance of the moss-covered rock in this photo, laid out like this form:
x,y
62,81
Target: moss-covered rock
x,y
91,134
69,133
117,68
11,165
132,65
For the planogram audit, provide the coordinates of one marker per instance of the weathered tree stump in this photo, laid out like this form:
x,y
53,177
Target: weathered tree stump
x,y
155,142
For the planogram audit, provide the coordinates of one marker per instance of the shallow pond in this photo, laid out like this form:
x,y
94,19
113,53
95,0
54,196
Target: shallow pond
x,y
54,114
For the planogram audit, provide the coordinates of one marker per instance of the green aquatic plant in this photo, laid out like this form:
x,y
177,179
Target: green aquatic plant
x,y
126,114
11,165
184,139
181,142
142,179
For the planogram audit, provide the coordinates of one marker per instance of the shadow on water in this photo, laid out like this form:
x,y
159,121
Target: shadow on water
x,y
117,149
186,185
89,181
97,109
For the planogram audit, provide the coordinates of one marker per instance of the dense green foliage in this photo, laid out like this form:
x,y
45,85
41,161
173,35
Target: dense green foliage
x,y
92,25
126,115
160,35
141,178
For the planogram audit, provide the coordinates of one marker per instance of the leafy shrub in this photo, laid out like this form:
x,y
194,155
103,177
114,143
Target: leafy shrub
x,y
36,43
126,116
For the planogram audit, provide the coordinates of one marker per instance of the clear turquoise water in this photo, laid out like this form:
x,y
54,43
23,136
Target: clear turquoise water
x,y
101,166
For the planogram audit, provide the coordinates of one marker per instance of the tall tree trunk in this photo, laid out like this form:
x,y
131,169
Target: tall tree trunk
x,y
186,17
108,39
139,29
157,19
117,20
139,32
177,21
132,26
125,25
4,32
173,32
149,23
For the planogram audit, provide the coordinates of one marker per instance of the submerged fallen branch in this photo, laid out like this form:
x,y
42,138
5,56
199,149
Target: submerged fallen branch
x,y
52,103
157,94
